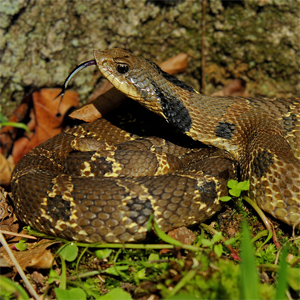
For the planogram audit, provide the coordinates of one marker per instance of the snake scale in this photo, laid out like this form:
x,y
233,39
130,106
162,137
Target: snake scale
x,y
96,182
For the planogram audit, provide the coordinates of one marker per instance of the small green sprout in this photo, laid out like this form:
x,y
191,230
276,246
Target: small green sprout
x,y
235,189
21,245
214,243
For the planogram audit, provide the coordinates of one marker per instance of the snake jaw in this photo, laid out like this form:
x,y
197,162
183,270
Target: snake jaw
x,y
143,86
134,84
107,65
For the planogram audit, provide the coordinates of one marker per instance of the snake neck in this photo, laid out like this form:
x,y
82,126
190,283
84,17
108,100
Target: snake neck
x,y
226,123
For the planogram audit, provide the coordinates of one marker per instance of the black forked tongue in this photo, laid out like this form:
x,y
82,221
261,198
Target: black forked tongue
x,y
64,87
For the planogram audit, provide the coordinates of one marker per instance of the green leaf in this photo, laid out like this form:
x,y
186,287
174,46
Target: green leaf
x,y
115,294
206,242
112,270
74,293
153,256
244,185
217,237
2,118
230,241
53,276
140,274
218,249
225,198
8,285
249,278
22,246
103,253
69,252
235,192
232,183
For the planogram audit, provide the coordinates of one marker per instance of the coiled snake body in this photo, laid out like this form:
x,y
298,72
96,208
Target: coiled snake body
x,y
96,182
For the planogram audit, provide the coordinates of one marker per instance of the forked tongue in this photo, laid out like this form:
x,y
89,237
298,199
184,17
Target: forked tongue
x,y
64,87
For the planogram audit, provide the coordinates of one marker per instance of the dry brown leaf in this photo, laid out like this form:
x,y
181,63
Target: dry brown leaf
x,y
6,168
37,258
11,228
236,87
8,133
103,104
6,209
48,124
175,64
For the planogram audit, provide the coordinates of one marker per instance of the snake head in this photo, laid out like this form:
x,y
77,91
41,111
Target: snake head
x,y
134,76
144,81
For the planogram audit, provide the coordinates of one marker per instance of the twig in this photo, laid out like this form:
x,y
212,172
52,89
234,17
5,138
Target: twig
x,y
18,234
18,267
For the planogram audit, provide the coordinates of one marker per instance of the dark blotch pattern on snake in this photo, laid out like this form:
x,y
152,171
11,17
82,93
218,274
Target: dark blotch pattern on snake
x,y
96,182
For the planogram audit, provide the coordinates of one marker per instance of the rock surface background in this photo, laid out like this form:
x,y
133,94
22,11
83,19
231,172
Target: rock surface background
x,y
42,41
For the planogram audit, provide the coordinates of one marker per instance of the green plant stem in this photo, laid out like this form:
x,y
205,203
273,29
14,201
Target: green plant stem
x,y
77,263
18,267
87,274
114,246
63,280
187,278
266,221
260,235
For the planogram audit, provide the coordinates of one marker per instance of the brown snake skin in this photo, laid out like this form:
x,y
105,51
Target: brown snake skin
x,y
96,182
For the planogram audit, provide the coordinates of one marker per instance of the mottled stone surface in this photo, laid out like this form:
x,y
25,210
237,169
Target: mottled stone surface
x,y
42,41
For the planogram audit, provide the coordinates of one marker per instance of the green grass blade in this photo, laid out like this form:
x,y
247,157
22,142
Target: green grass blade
x,y
8,285
282,276
2,118
249,278
17,125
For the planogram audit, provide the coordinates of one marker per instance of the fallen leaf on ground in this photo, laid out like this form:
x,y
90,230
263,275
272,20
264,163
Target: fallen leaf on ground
x,y
236,87
175,64
6,209
6,167
37,256
44,116
99,107
8,133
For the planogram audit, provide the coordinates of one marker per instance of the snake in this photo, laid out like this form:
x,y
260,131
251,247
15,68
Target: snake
x,y
96,182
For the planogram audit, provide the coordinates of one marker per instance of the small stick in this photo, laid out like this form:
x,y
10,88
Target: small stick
x,y
18,267
18,234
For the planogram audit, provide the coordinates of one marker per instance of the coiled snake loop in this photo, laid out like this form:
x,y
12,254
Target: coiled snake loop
x,y
96,182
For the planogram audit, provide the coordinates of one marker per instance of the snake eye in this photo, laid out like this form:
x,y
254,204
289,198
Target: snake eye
x,y
122,68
